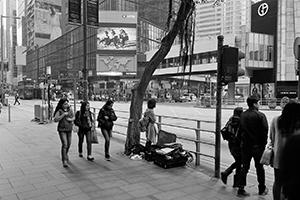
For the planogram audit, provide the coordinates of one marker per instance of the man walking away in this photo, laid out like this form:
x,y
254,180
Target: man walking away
x,y
254,127
17,99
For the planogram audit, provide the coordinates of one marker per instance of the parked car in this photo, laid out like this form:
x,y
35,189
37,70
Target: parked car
x,y
188,97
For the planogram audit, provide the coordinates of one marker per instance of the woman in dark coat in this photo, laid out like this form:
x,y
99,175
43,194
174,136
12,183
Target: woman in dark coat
x,y
105,119
234,145
84,121
64,115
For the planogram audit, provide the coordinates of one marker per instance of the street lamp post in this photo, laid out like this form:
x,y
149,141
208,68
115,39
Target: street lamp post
x,y
2,49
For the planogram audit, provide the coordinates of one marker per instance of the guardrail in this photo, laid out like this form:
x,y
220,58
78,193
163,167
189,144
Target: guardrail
x,y
199,127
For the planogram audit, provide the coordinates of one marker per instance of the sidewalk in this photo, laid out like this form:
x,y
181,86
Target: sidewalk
x,y
30,168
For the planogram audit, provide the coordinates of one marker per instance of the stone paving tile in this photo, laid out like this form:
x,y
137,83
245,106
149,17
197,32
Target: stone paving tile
x,y
106,192
52,196
112,184
10,197
170,186
37,193
16,190
144,192
135,186
55,182
72,192
169,195
79,197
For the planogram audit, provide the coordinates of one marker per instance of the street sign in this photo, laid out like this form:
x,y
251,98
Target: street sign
x,y
93,12
296,47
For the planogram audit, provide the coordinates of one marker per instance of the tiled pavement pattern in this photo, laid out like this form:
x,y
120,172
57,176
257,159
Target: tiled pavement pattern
x,y
30,168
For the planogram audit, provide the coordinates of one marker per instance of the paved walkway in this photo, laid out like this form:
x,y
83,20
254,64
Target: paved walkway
x,y
30,168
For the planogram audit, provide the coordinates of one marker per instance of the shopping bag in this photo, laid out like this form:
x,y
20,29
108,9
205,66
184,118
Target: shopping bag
x,y
75,128
94,136
267,157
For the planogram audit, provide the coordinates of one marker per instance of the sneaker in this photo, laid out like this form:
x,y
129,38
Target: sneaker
x,y
242,193
65,164
80,155
263,193
224,178
107,157
90,158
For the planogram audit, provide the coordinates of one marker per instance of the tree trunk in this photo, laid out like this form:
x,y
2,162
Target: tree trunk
x,y
138,91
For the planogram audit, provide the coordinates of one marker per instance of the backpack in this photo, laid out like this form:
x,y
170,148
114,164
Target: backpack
x,y
143,124
229,132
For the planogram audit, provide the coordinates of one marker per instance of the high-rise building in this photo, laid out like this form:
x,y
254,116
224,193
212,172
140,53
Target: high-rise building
x,y
227,18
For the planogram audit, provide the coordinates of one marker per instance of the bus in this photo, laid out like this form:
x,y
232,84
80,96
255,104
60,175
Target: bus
x,y
25,89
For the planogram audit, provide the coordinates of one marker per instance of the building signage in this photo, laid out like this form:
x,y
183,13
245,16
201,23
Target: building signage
x,y
116,63
263,9
74,14
264,17
92,12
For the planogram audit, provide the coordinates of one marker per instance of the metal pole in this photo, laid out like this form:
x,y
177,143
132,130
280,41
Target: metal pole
x,y
218,109
2,63
49,109
298,73
9,113
84,70
74,85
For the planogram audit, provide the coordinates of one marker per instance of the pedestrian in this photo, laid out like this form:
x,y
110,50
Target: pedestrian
x,y
106,118
254,137
234,145
17,99
291,165
281,128
84,121
64,115
151,131
284,101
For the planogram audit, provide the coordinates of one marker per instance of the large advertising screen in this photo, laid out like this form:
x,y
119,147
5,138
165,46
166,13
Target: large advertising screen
x,y
116,63
47,20
116,38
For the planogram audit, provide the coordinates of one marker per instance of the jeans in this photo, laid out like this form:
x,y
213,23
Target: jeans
x,y
277,185
65,138
87,135
236,154
107,135
255,152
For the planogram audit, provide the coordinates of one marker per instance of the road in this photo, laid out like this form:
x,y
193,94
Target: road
x,y
181,110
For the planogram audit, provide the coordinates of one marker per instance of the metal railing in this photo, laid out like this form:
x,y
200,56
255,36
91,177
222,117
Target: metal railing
x,y
199,127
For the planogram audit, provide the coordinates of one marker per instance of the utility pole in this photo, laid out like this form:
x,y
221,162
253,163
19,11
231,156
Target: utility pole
x,y
218,108
2,63
84,70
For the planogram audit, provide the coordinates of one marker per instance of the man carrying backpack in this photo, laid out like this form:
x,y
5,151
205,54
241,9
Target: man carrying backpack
x,y
234,144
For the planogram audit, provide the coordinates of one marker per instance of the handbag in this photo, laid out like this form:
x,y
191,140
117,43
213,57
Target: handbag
x,y
267,157
94,136
75,128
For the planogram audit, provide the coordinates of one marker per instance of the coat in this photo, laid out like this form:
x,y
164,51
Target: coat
x,y
151,130
106,123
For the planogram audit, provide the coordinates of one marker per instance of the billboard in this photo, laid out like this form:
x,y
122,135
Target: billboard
x,y
47,21
116,63
264,17
116,38
117,32
20,55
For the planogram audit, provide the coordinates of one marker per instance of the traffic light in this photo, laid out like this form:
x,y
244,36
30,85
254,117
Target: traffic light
x,y
230,64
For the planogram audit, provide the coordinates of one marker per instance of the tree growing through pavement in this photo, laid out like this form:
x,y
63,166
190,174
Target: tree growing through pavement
x,y
182,25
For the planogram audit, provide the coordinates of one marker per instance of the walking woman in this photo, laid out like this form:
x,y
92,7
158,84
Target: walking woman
x,y
105,119
64,115
84,120
234,145
282,127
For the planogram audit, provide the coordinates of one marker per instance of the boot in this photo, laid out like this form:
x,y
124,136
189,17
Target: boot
x,y
225,174
235,181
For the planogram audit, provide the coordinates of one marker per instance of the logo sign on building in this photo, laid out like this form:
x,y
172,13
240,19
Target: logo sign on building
x,y
74,11
264,17
92,12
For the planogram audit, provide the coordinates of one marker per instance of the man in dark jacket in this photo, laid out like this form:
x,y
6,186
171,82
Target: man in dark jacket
x,y
254,127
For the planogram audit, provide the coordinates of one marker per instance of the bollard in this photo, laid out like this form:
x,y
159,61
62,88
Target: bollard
x,y
8,112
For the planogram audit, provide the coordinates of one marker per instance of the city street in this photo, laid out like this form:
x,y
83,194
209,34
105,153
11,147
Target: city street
x,y
181,110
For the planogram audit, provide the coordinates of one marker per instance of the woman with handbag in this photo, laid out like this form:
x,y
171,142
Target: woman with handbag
x,y
84,120
281,128
64,115
106,118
